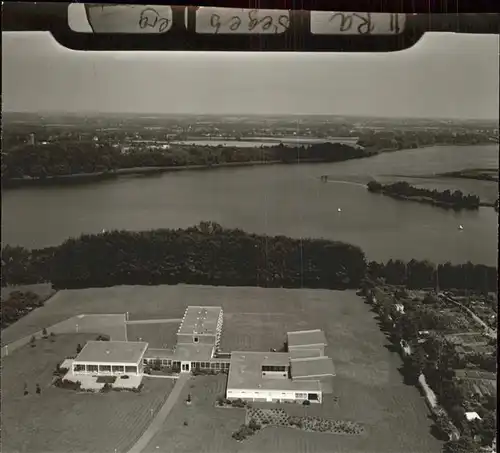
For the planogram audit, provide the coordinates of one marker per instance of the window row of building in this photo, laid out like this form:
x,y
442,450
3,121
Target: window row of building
x,y
112,369
194,365
274,368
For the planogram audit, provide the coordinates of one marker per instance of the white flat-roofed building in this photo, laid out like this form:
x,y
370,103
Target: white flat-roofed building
x,y
249,381
110,358
307,339
312,368
201,325
302,373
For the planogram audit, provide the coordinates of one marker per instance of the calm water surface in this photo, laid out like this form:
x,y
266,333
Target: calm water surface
x,y
280,199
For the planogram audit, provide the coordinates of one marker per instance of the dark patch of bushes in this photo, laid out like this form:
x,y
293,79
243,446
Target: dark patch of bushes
x,y
106,379
66,384
238,403
197,372
60,371
107,387
138,389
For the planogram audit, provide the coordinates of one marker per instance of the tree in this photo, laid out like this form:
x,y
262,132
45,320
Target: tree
x,y
38,389
44,333
33,341
25,392
78,348
488,428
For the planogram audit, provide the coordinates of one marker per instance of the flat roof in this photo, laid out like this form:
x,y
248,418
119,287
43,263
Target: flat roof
x,y
303,353
112,352
312,367
200,320
193,352
303,338
245,372
326,384
155,353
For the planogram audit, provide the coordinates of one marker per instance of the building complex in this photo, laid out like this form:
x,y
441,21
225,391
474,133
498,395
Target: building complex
x,y
302,372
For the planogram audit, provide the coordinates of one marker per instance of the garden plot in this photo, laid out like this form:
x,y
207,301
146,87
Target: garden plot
x,y
279,417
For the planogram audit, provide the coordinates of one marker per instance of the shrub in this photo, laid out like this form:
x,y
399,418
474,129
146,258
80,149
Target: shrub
x,y
66,384
60,371
33,341
306,403
238,403
198,372
253,425
125,376
107,387
243,432
44,333
138,389
185,423
102,338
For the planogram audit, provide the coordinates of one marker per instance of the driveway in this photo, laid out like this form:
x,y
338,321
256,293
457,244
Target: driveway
x,y
162,415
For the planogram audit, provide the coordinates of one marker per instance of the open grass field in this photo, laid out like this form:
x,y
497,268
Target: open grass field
x,y
158,335
64,421
369,388
209,428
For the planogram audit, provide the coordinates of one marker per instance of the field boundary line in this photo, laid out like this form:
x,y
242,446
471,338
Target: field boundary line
x,y
9,348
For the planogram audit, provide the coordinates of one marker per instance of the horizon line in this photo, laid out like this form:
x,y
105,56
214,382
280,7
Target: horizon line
x,y
159,114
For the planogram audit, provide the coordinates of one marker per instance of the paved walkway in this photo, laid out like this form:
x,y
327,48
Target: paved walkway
x,y
154,321
161,416
491,333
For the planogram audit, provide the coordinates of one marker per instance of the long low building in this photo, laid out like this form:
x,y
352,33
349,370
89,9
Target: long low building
x,y
303,373
110,358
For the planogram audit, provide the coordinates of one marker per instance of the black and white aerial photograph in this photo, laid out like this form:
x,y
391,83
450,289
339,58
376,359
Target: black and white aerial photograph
x,y
244,252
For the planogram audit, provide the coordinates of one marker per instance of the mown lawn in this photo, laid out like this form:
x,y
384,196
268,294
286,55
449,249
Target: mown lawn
x,y
369,388
60,420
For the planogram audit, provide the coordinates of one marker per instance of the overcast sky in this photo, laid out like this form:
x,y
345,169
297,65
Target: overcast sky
x,y
444,75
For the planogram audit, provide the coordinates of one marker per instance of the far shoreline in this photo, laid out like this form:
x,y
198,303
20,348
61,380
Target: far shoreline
x,y
83,178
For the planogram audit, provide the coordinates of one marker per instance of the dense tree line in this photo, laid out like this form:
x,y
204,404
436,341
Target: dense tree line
x,y
423,274
17,305
83,157
208,254
402,189
411,139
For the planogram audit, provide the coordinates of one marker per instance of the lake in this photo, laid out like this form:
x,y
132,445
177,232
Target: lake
x,y
279,199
